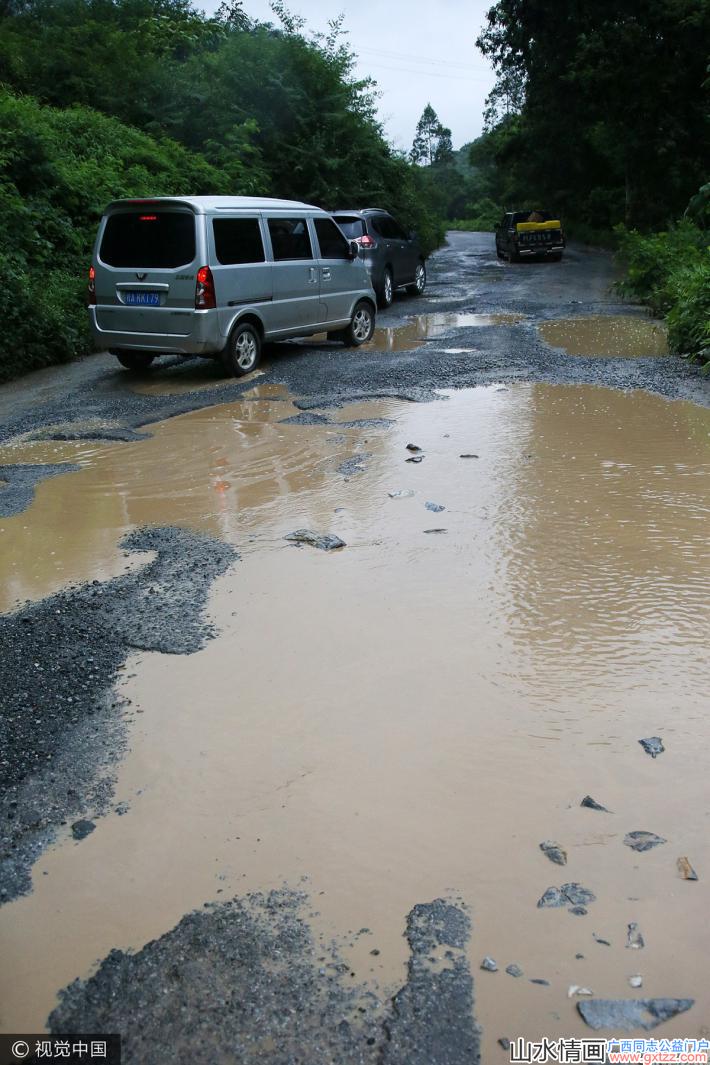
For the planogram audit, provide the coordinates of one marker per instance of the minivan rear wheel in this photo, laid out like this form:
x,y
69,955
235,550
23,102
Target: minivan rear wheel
x,y
362,325
134,360
243,351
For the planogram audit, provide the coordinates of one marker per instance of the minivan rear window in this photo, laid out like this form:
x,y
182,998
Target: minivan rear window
x,y
155,240
351,227
238,241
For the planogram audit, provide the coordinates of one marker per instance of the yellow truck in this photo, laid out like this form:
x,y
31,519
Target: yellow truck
x,y
529,235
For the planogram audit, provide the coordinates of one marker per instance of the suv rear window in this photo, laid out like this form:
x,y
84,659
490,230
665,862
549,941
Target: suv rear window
x,y
157,240
352,227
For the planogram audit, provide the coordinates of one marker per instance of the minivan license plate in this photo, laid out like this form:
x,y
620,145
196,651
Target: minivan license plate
x,y
142,299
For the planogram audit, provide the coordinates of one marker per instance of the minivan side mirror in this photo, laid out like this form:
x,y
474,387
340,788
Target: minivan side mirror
x,y
353,249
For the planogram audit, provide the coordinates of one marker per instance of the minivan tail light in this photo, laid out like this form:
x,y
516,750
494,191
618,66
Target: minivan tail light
x,y
204,290
366,241
92,287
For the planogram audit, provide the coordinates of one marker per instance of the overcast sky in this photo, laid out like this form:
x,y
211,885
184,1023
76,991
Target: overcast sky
x,y
418,52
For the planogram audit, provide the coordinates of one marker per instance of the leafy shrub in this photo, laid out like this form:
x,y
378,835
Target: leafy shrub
x,y
58,169
670,271
482,216
689,314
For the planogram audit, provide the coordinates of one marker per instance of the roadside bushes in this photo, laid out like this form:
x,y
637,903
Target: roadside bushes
x,y
58,169
670,271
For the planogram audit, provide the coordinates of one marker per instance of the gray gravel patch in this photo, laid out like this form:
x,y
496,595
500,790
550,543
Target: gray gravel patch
x,y
246,981
18,489
61,726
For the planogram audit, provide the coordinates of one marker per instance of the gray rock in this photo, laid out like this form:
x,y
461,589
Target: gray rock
x,y
413,447
401,493
569,894
415,458
653,746
543,983
489,964
505,1043
82,829
554,852
552,897
592,804
578,895
598,939
634,939
436,508
628,1014
468,456
435,530
578,911
643,841
513,969
323,541
636,981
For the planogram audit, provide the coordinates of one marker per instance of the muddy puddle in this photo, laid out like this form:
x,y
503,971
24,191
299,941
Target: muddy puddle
x,y
424,327
414,714
607,336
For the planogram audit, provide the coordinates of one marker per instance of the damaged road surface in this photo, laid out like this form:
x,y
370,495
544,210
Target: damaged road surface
x,y
277,765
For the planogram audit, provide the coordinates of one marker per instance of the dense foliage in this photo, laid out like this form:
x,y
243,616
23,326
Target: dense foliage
x,y
109,98
601,106
601,114
671,272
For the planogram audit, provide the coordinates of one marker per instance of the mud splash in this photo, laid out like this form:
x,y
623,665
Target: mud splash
x,y
413,713
607,336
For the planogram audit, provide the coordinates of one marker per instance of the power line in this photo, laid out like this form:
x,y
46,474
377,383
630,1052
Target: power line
x,y
407,56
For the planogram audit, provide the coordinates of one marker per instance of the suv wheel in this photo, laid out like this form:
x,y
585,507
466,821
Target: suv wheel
x,y
386,291
243,350
419,281
134,360
362,326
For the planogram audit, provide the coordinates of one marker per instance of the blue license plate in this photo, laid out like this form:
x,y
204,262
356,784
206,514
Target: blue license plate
x,y
142,299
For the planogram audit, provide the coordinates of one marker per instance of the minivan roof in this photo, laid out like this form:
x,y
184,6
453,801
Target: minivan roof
x,y
208,204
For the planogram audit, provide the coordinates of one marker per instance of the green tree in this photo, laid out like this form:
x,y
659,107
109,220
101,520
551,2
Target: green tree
x,y
432,141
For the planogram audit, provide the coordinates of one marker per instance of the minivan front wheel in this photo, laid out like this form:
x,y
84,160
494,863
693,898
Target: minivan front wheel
x,y
134,360
243,352
362,326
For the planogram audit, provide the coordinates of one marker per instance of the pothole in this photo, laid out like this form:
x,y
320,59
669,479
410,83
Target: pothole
x,y
607,336
416,331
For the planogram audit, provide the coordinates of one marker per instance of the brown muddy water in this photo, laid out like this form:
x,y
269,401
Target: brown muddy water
x,y
414,714
608,336
416,331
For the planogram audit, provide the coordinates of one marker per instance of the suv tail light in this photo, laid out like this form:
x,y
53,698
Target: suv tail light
x,y
204,289
366,241
91,288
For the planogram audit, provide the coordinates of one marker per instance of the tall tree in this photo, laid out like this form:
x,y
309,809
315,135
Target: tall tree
x,y
611,99
432,141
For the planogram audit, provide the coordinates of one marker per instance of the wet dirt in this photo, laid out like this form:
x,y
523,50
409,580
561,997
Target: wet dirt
x,y
607,336
424,327
412,714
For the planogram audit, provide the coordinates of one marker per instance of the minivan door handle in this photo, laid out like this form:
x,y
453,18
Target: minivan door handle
x,y
312,275
326,273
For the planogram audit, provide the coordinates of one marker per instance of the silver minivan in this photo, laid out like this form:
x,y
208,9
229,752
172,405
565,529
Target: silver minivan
x,y
218,275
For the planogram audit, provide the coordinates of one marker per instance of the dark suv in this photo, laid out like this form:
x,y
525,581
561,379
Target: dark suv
x,y
393,256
